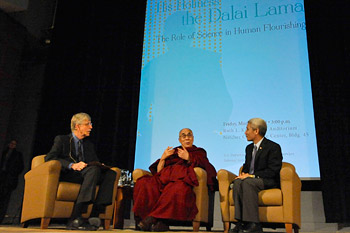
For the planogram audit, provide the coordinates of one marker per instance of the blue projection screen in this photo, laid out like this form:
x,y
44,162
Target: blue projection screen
x,y
211,65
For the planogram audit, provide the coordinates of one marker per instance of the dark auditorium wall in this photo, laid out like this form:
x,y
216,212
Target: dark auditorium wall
x,y
22,66
94,67
12,39
328,26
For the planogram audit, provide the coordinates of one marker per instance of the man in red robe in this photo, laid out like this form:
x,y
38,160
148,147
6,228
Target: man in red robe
x,y
168,194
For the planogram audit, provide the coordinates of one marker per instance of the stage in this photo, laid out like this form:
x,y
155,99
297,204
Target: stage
x,y
312,220
323,228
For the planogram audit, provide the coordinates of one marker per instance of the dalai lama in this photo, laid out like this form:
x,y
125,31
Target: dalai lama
x,y
168,194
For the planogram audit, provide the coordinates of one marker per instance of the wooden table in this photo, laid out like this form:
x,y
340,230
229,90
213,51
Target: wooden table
x,y
124,193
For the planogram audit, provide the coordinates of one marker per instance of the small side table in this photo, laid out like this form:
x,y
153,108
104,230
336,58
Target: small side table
x,y
124,193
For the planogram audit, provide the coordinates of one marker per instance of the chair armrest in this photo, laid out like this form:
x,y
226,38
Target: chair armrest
x,y
225,178
45,169
38,160
201,175
117,170
138,173
202,197
108,214
291,190
40,190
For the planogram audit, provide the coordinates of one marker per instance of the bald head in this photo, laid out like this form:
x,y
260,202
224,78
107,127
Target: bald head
x,y
185,129
186,137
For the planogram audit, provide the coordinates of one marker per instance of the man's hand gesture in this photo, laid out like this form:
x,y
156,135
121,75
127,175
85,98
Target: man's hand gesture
x,y
183,153
168,151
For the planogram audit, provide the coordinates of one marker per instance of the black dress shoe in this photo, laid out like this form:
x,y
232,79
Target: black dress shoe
x,y
146,224
80,224
95,222
238,228
160,226
253,227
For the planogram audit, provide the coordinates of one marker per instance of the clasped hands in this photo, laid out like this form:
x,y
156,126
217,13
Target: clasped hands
x,y
243,175
79,166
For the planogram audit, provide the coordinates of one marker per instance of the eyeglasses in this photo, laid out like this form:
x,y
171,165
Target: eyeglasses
x,y
89,123
186,135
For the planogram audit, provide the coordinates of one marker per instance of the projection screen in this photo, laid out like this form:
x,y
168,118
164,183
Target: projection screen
x,y
211,65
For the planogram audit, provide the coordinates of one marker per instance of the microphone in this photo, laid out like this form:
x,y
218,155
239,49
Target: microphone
x,y
70,149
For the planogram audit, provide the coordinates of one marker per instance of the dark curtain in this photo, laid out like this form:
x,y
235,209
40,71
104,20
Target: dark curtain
x,y
94,67
328,26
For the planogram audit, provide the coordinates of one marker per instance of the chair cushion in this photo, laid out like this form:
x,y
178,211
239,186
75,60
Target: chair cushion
x,y
268,197
67,191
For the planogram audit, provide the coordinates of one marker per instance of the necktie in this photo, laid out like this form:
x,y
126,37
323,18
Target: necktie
x,y
251,169
80,151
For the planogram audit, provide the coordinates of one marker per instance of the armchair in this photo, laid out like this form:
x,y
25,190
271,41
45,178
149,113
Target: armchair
x,y
204,199
276,206
45,197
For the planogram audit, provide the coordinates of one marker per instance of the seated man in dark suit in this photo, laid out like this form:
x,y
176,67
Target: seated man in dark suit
x,y
261,169
80,165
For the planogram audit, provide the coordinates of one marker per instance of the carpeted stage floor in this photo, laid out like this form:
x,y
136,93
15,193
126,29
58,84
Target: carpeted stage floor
x,y
129,227
61,229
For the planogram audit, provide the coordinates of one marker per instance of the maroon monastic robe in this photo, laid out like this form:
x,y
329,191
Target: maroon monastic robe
x,y
169,194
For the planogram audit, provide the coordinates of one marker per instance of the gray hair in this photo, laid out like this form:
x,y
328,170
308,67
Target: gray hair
x,y
258,123
78,119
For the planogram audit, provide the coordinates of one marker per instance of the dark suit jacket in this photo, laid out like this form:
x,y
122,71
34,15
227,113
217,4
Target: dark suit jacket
x,y
63,150
14,166
268,162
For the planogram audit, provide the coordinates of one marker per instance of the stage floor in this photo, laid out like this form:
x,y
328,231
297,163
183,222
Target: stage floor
x,y
312,220
129,228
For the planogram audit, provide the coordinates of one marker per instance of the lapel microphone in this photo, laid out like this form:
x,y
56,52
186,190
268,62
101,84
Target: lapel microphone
x,y
70,149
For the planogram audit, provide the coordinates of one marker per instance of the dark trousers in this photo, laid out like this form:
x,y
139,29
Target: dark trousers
x,y
5,195
89,178
7,184
246,198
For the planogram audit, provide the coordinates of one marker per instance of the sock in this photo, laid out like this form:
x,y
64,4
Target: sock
x,y
77,210
97,209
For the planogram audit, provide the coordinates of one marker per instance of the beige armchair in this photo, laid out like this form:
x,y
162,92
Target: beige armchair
x,y
276,206
45,197
203,198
